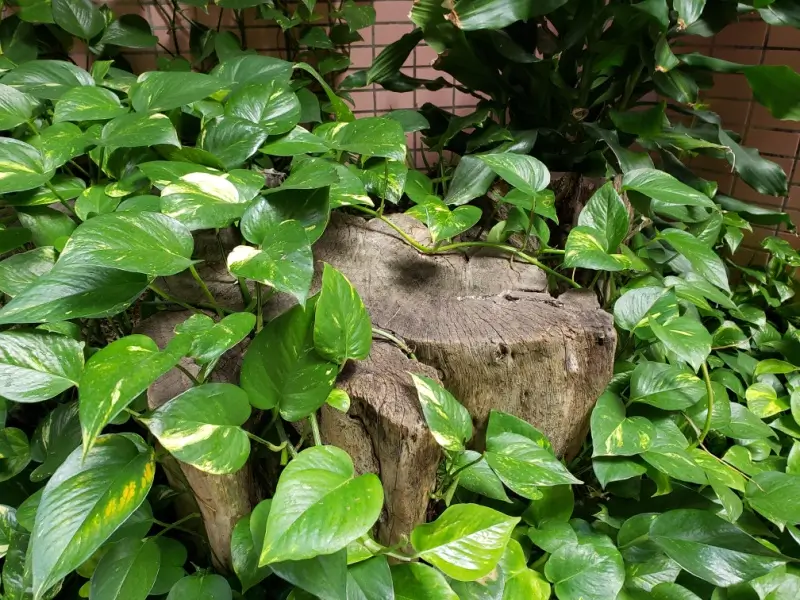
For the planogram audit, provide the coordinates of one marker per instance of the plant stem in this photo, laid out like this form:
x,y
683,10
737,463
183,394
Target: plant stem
x,y
377,549
159,292
395,340
269,445
710,405
285,438
312,418
455,473
62,200
524,256
176,525
186,372
259,308
205,289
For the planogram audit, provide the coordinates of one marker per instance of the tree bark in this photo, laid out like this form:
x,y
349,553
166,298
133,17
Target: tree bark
x,y
497,338
221,499
385,433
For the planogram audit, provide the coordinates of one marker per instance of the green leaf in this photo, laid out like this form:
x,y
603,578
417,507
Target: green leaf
x,y
524,172
443,223
392,57
23,167
775,495
744,425
588,248
81,18
114,376
727,335
88,103
417,581
271,105
370,580
496,14
478,477
311,208
614,434
764,176
372,136
342,328
94,201
127,571
138,130
466,541
244,552
554,506
246,68
318,490
13,238
129,31
72,292
144,242
777,87
688,11
606,212
173,555
201,586
297,141
668,454
284,260
590,570
36,366
203,201
19,271
646,123
56,436
232,140
686,338
47,79
632,308
211,340
500,423
84,502
49,227
523,465
160,91
665,386
8,526
323,577
450,423
281,368
411,120
15,107
610,469
662,186
763,401
712,549
16,452
202,427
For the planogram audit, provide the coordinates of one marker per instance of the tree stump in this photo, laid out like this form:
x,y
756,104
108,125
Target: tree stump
x,y
385,433
221,499
488,325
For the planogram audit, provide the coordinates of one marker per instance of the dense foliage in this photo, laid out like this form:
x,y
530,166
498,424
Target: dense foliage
x,y
689,486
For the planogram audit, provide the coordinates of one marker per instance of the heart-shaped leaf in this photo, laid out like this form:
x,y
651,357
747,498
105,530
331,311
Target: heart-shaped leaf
x,y
202,427
614,434
297,141
418,581
606,212
686,337
144,242
243,69
36,366
211,340
700,542
19,271
88,103
342,329
47,79
232,140
663,187
23,167
137,130
587,248
81,18
203,201
15,107
246,542
448,420
316,489
442,222
201,586
284,261
524,172
466,541
269,104
116,375
593,569
84,502
72,292
160,91
311,208
128,570
15,451
703,259
665,386
372,136
281,367
57,435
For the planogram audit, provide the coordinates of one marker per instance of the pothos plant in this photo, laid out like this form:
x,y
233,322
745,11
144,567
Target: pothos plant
x,y
106,179
54,29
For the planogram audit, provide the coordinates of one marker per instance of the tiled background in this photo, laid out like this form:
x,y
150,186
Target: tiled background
x,y
751,42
